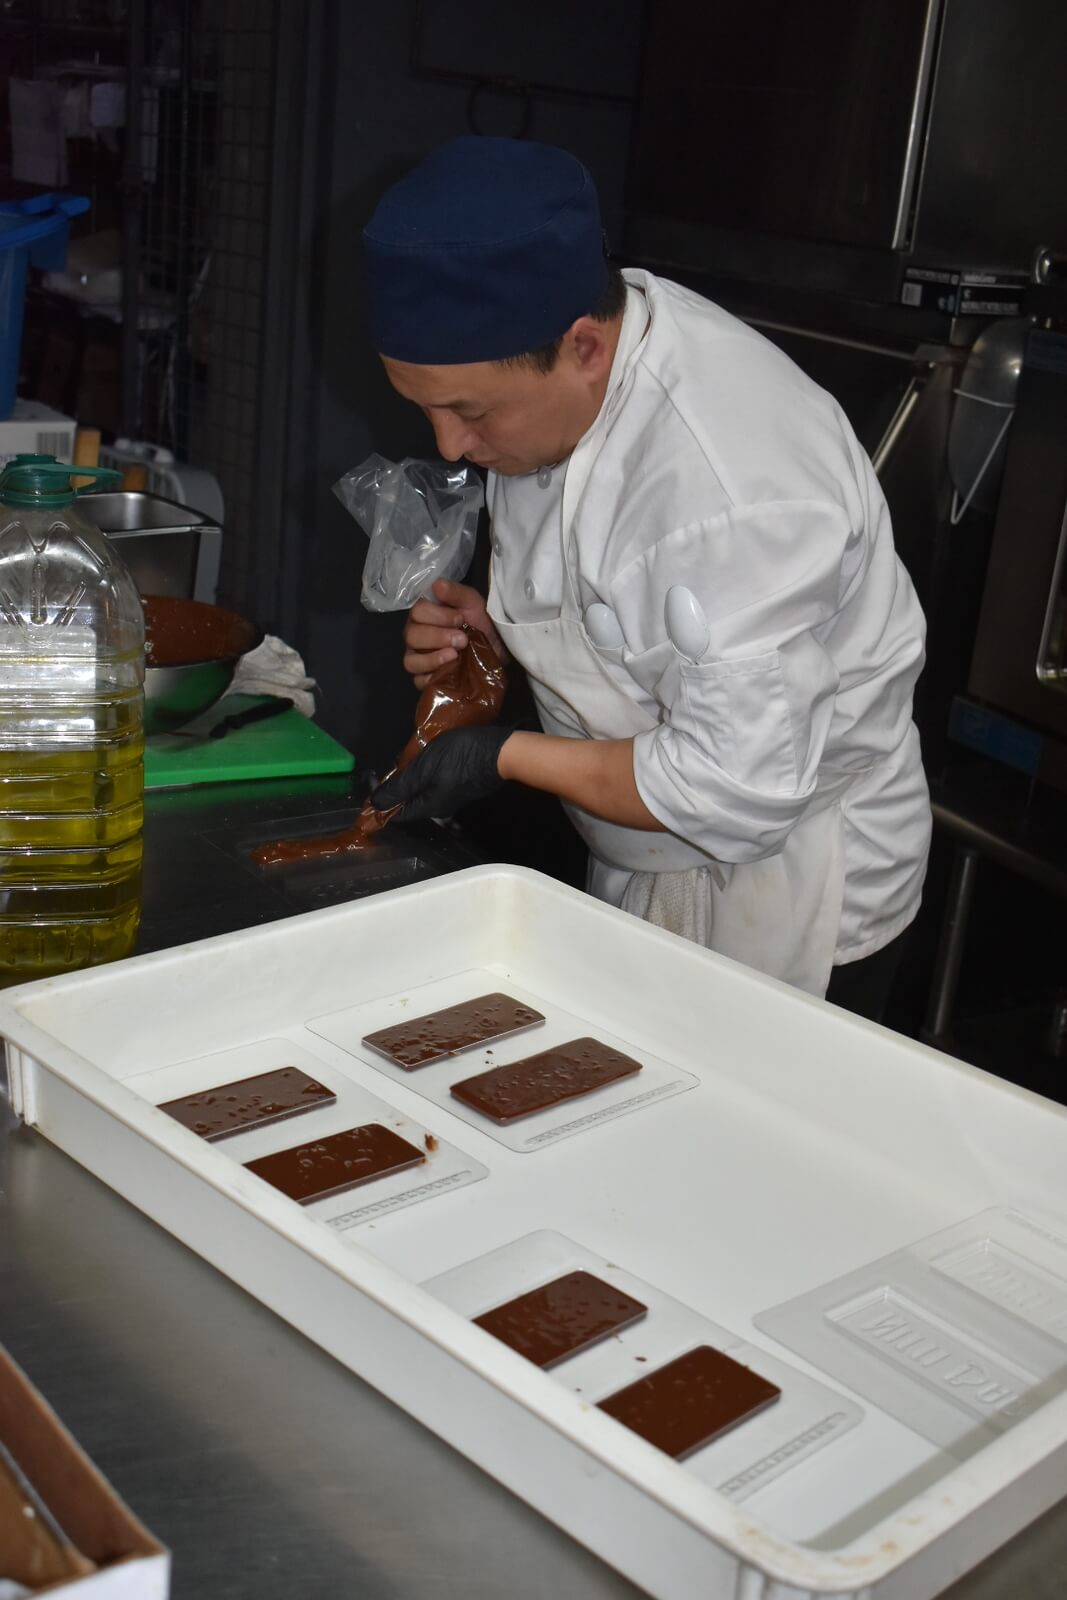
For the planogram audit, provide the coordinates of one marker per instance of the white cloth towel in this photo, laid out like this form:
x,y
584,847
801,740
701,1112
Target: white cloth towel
x,y
275,668
681,902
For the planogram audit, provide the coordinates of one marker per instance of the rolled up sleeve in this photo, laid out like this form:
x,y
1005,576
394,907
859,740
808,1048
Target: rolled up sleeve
x,y
735,760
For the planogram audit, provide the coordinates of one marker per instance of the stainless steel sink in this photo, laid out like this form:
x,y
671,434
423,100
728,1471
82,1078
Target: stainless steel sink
x,y
169,549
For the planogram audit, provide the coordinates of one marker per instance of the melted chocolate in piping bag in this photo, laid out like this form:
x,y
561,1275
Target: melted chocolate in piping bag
x,y
465,693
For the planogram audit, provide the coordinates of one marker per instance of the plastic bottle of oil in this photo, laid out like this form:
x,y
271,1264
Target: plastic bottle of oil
x,y
71,729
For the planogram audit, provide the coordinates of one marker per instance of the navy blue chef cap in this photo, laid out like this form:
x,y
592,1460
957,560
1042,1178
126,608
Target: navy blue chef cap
x,y
489,249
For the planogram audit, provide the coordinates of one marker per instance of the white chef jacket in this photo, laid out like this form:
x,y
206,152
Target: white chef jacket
x,y
716,465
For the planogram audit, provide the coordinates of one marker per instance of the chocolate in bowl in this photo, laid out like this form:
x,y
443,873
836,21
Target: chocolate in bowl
x,y
191,652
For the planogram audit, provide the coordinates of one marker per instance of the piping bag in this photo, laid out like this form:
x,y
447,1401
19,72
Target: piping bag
x,y
420,518
465,693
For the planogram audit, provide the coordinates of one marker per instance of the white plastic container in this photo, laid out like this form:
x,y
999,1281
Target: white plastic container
x,y
37,427
813,1144
168,478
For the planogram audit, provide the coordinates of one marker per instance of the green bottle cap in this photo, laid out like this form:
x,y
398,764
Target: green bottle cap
x,y
44,482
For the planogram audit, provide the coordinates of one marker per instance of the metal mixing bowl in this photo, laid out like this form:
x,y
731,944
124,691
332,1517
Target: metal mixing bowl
x,y
192,650
175,695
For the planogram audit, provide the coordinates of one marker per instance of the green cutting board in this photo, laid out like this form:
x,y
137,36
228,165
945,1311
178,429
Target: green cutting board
x,y
287,745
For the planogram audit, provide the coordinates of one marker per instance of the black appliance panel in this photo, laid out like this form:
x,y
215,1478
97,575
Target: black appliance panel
x,y
783,118
992,187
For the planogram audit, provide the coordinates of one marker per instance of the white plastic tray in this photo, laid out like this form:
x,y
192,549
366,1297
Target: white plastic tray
x,y
812,1145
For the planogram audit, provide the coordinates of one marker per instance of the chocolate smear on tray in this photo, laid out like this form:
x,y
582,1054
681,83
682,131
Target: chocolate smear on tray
x,y
465,693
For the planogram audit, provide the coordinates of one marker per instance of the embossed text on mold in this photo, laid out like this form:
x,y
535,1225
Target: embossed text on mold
x,y
931,1350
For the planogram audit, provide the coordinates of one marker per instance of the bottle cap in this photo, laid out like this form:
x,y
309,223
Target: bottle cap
x,y
42,481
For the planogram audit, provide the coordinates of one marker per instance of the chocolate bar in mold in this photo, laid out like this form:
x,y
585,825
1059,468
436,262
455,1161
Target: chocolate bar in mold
x,y
249,1103
339,1162
550,1078
562,1318
694,1399
421,1040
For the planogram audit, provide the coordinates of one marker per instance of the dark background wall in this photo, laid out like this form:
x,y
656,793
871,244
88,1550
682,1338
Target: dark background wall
x,y
374,112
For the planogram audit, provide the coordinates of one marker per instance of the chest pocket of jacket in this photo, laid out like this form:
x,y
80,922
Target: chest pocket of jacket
x,y
613,670
610,655
737,713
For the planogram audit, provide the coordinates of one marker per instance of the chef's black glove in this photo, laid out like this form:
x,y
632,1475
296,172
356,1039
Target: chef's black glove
x,y
455,769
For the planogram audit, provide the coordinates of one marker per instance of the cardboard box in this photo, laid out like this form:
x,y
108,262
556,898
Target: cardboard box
x,y
129,1563
99,398
36,427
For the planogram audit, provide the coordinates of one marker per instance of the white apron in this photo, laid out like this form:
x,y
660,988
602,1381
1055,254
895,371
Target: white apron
x,y
779,915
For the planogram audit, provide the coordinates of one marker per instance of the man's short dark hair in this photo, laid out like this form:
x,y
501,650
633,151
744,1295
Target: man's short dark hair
x,y
610,305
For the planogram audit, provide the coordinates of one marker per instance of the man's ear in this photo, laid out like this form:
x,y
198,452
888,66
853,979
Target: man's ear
x,y
590,346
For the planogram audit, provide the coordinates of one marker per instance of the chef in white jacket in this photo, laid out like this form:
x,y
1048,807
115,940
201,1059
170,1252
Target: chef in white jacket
x,y
692,560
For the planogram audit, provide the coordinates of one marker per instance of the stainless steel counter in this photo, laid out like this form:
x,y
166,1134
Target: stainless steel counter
x,y
269,1470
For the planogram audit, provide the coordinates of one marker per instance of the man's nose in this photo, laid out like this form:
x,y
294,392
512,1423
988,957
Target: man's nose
x,y
452,435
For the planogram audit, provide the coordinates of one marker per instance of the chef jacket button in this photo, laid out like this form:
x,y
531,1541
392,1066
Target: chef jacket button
x,y
544,477
529,589
498,548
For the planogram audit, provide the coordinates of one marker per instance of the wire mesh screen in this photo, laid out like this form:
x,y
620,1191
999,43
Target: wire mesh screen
x,y
178,174
205,139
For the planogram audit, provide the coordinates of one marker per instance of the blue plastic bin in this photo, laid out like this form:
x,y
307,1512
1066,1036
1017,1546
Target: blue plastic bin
x,y
31,231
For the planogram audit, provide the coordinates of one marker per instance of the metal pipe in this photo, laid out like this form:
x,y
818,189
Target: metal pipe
x,y
899,422
918,125
185,244
132,192
950,951
830,338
